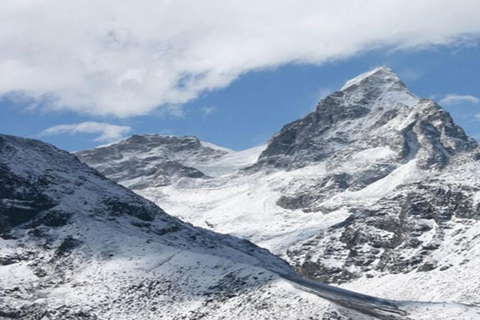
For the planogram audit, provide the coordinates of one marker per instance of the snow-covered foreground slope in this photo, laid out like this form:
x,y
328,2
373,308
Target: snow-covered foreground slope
x,y
377,190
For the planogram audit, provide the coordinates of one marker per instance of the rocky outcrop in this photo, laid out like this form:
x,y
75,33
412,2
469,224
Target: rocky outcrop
x,y
142,161
398,234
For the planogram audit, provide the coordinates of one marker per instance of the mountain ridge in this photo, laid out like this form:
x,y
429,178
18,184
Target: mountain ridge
x,y
98,251
375,189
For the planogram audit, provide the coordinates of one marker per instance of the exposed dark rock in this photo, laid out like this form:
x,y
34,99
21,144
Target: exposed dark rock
x,y
67,246
377,238
143,161
116,207
21,200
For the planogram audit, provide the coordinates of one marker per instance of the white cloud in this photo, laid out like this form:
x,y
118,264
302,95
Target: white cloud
x,y
455,99
129,57
108,132
208,110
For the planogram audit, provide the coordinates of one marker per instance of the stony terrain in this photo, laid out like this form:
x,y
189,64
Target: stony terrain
x,y
376,190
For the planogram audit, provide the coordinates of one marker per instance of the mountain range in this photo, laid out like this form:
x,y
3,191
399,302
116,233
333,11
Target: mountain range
x,y
376,192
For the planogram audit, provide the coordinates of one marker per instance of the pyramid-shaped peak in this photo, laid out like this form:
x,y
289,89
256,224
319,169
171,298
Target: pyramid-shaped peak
x,y
378,77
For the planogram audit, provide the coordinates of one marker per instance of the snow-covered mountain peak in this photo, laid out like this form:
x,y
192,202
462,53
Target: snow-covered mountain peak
x,y
378,77
373,110
376,90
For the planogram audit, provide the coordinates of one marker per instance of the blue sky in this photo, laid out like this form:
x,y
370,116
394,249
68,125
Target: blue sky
x,y
229,96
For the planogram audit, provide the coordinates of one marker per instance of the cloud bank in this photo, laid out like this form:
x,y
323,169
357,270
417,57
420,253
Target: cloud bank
x,y
108,132
130,57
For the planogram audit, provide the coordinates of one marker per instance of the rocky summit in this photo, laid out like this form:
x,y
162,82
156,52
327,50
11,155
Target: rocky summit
x,y
374,110
377,190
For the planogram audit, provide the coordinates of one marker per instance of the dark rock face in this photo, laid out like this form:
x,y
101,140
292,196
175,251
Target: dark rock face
x,y
388,236
142,161
320,191
376,111
21,200
33,193
308,198
433,137
298,140
166,171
